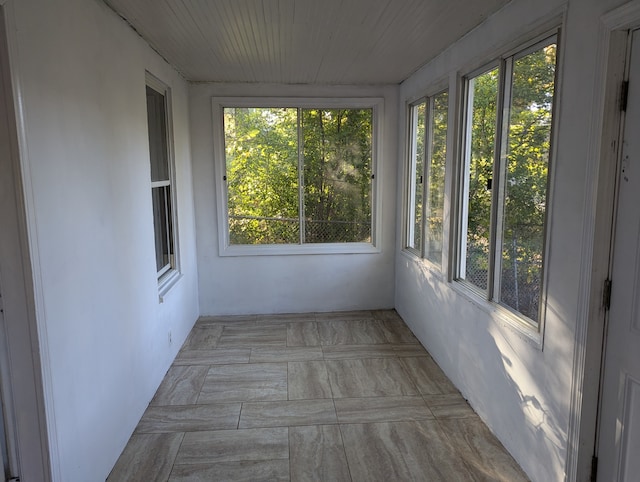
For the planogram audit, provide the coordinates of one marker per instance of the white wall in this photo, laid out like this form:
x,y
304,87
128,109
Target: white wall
x,y
293,283
520,389
103,332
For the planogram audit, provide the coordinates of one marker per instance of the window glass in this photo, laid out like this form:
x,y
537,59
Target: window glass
x,y
261,146
481,137
436,172
161,179
503,220
418,116
525,190
298,175
157,122
337,175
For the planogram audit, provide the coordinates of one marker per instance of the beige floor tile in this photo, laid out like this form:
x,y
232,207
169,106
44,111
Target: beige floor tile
x,y
387,315
373,397
356,332
303,334
427,376
242,471
398,332
372,377
189,418
410,350
381,409
226,356
234,445
345,352
287,414
417,450
344,315
147,457
317,454
180,386
288,318
449,405
239,383
203,338
285,353
482,452
256,336
308,380
232,320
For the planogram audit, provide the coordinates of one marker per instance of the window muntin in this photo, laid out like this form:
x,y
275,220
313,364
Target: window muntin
x,y
161,178
298,175
427,159
502,232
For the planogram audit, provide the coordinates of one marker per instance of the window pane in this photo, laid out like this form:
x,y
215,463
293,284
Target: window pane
x,y
162,226
157,123
261,147
418,133
337,175
481,133
435,186
527,166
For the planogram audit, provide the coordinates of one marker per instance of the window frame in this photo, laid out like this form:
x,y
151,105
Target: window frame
x,y
490,298
169,274
410,174
224,246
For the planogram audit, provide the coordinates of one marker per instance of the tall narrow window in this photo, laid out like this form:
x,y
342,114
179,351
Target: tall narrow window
x,y
482,95
298,175
427,158
417,139
505,177
434,212
160,154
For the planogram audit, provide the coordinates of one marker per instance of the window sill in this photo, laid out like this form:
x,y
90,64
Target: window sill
x,y
424,263
298,249
519,325
167,282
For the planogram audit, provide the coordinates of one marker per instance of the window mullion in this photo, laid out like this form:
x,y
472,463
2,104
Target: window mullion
x,y
499,178
300,177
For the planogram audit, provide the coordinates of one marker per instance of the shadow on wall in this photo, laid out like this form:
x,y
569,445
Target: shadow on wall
x,y
503,376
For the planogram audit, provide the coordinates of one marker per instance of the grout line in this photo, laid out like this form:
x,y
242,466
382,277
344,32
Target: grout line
x,y
173,464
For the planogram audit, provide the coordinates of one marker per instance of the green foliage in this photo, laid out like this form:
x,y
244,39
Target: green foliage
x,y
264,195
526,152
435,186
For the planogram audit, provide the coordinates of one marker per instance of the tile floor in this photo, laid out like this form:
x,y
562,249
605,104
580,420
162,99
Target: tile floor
x,y
325,396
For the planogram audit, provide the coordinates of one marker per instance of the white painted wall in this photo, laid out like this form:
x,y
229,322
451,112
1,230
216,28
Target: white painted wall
x,y
103,332
292,283
520,389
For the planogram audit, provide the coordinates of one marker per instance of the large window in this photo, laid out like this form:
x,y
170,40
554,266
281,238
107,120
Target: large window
x,y
162,192
507,145
298,174
427,159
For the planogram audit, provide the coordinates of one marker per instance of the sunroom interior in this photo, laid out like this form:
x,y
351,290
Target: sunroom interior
x,y
107,267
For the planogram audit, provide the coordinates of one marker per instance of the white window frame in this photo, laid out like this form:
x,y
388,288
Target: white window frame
x,y
489,298
411,187
169,274
224,246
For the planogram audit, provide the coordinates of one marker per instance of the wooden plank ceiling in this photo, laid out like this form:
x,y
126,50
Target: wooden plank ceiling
x,y
302,41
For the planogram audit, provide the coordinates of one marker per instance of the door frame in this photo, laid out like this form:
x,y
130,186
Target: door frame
x,y
26,362
598,224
